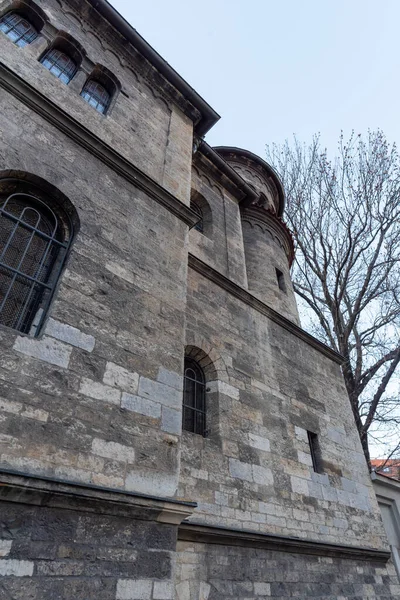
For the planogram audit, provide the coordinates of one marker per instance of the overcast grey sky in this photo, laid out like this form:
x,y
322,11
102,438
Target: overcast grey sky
x,y
274,68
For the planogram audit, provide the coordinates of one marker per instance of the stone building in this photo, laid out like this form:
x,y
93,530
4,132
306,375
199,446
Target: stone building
x,y
167,429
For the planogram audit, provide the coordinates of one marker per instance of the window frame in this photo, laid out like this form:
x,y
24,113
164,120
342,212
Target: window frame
x,y
199,425
47,57
31,292
28,39
93,80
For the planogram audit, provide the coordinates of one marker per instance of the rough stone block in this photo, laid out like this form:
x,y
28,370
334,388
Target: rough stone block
x,y
99,391
17,568
240,470
224,388
256,441
143,406
159,392
131,589
262,475
152,482
171,420
113,450
299,486
117,376
170,378
47,349
5,547
69,334
163,590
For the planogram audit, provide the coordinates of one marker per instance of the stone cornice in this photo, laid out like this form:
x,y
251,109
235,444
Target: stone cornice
x,y
271,222
203,534
233,288
44,107
208,116
24,488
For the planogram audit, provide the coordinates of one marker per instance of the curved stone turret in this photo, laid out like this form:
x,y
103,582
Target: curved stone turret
x,y
268,243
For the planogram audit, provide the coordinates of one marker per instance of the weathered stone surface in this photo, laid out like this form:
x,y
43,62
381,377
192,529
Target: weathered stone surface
x,y
46,349
70,335
97,398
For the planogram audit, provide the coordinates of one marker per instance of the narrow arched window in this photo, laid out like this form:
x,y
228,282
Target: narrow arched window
x,y
96,95
194,398
60,64
200,223
18,29
33,246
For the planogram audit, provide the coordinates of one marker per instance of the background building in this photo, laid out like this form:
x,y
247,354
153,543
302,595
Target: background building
x,y
167,428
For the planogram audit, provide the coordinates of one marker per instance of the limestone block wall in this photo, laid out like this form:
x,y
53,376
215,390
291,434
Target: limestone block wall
x,y
267,266
254,469
212,571
144,124
96,398
48,553
221,243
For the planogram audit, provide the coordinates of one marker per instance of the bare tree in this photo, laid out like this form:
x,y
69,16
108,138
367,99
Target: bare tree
x,y
344,215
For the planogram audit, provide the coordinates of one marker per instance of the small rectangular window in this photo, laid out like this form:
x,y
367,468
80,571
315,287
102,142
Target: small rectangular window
x,y
315,451
281,280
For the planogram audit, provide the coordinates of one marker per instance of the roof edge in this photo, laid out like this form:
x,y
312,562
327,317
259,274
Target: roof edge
x,y
227,170
222,150
208,115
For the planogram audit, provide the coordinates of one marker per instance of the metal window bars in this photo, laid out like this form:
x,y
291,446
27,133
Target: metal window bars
x,y
60,64
18,29
196,209
194,402
32,252
96,95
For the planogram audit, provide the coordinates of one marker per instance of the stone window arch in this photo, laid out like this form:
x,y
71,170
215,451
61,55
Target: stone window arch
x,y
101,89
201,207
37,226
63,58
199,371
22,21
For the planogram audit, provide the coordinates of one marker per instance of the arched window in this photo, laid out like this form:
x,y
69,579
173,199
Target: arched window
x,y
18,29
196,209
60,64
96,95
194,398
33,246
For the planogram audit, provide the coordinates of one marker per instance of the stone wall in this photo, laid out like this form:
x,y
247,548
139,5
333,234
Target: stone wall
x,y
144,125
78,553
221,243
254,469
217,572
97,397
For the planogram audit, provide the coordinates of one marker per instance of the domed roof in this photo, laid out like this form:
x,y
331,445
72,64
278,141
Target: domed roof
x,y
258,174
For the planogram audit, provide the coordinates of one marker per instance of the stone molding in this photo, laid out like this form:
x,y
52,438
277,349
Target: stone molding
x,y
43,106
37,490
204,534
270,224
233,288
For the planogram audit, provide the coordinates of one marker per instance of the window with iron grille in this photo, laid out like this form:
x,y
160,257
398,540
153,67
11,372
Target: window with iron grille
x,y
194,398
18,29
96,95
196,208
33,247
60,64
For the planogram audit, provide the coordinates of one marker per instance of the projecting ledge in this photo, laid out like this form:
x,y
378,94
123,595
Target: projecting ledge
x,y
196,532
24,488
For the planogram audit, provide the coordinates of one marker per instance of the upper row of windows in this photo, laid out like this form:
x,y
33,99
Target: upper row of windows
x,y
22,32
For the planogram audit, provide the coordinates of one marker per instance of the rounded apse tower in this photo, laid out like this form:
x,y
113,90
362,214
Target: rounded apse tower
x,y
268,243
